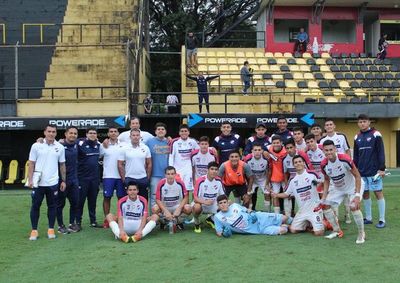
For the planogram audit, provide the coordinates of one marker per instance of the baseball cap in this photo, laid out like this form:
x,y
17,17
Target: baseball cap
x,y
260,125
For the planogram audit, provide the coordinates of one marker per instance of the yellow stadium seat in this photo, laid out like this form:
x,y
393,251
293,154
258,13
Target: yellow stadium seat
x,y
259,54
313,84
324,68
359,92
212,60
332,100
277,77
274,68
223,77
240,54
210,54
262,61
287,55
294,68
223,68
230,54
249,54
220,54
304,68
222,61
255,67
258,83
278,55
240,61
325,55
1,171
269,54
226,83
269,83
201,54
281,61
212,68
233,68
232,61
329,76
12,175
308,76
301,61
252,61
344,84
316,92
235,77
201,61
307,55
338,92
202,68
320,61
236,83
257,77
264,68
298,76
291,84
215,82
23,181
305,92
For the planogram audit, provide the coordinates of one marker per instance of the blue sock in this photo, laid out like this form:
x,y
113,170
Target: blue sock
x,y
381,208
367,208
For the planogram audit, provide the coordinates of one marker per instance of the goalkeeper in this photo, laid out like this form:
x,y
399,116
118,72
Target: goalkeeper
x,y
234,218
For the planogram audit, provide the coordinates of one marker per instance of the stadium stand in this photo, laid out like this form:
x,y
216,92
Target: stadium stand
x,y
1,174
13,173
25,172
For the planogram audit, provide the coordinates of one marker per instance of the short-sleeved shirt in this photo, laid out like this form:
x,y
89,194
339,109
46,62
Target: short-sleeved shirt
x,y
200,161
237,219
288,166
47,157
132,210
110,160
180,153
259,167
302,146
125,137
339,172
135,160
159,150
171,195
302,188
339,140
226,144
209,190
316,157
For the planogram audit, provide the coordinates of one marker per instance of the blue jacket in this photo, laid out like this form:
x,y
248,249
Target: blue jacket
x,y
369,152
264,142
71,162
202,82
302,36
285,135
88,159
225,145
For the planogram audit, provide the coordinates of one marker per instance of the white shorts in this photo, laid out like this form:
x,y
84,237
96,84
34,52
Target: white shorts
x,y
262,187
187,178
206,209
336,196
131,227
276,187
301,220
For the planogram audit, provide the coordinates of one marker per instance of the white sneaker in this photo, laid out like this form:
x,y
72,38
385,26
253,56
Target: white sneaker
x,y
348,219
361,238
34,235
334,235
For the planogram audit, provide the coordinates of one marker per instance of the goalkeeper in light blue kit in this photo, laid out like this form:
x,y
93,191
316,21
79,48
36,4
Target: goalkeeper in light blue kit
x,y
234,218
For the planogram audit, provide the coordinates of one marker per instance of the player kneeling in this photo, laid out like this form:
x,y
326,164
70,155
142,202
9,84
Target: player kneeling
x,y
206,191
171,200
131,222
234,218
303,186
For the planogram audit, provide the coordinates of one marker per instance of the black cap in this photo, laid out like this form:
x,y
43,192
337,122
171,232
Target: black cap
x,y
260,125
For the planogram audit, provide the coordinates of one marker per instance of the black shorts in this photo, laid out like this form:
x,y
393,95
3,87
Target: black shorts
x,y
238,190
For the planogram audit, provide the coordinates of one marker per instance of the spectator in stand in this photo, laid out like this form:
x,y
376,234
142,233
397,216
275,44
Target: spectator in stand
x,y
202,90
148,104
245,77
171,104
191,49
382,47
301,41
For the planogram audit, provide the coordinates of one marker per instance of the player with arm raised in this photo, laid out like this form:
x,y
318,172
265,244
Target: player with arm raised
x,y
303,187
346,180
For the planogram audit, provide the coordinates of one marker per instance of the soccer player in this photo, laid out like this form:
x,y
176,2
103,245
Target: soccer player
x,y
124,137
45,159
260,138
303,187
235,174
277,153
72,185
202,157
132,222
180,152
260,167
111,178
369,157
234,218
282,131
206,191
88,175
171,199
346,180
134,163
298,136
316,154
227,142
316,130
159,149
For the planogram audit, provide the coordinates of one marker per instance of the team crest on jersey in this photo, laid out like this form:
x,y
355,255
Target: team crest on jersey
x,y
296,183
369,139
329,171
232,141
56,149
95,146
222,143
339,168
128,206
143,150
235,210
87,146
198,159
306,179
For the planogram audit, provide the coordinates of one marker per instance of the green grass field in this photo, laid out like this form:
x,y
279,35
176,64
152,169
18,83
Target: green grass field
x,y
94,255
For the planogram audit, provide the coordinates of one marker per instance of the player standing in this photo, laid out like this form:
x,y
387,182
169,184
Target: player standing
x,y
260,138
134,123
202,157
346,180
316,130
369,157
206,191
282,130
227,142
316,154
298,136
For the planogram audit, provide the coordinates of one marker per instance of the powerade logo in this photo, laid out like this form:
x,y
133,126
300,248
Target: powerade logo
x,y
12,124
239,120
63,123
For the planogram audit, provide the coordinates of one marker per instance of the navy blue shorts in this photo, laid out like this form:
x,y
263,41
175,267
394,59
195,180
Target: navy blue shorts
x,y
111,184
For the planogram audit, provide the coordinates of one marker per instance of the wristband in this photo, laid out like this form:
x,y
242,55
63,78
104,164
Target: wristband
x,y
357,195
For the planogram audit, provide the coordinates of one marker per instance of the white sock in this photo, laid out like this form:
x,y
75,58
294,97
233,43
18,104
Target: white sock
x,y
277,209
287,205
332,219
237,200
336,211
148,228
267,205
381,208
367,208
358,218
346,203
196,219
114,228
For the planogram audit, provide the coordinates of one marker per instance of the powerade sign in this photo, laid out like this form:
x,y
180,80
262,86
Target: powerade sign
x,y
62,123
247,120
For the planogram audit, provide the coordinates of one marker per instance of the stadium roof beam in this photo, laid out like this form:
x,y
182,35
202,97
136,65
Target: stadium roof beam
x,y
317,10
361,12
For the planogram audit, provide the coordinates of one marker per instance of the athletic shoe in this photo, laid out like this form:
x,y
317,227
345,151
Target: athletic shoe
x,y
347,219
106,225
79,227
210,222
333,235
125,239
73,228
180,226
136,238
62,230
187,221
95,225
34,235
51,234
366,221
197,228
380,225
361,238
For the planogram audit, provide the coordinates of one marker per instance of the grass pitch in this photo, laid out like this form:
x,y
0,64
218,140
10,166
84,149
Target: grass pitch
x,y
94,255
